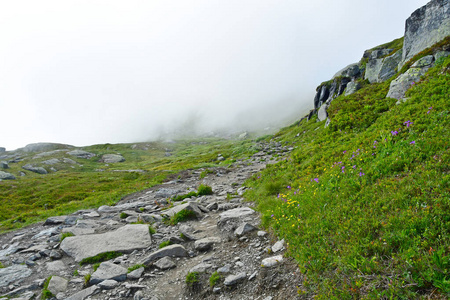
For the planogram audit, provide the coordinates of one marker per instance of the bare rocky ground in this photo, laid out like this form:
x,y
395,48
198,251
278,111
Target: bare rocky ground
x,y
225,237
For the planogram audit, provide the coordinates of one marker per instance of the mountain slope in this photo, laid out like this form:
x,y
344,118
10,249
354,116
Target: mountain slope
x,y
364,203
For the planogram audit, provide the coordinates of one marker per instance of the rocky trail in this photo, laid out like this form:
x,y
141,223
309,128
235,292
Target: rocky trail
x,y
223,239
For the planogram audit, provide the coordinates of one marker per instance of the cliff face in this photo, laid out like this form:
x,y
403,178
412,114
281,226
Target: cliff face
x,y
427,26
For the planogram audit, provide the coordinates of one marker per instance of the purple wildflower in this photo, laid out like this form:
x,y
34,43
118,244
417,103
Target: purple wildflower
x,y
354,167
271,216
361,174
344,152
394,133
408,123
289,187
413,143
316,179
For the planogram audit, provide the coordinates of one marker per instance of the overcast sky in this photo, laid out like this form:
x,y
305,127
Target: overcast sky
x,y
87,72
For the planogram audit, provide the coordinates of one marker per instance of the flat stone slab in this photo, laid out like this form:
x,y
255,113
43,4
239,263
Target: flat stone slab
x,y
171,251
236,213
83,294
13,274
125,239
108,271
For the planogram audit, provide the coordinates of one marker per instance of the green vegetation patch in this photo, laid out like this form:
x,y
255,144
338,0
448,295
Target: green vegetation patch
x,y
214,279
100,257
135,267
182,216
46,294
66,234
193,280
203,190
164,244
364,203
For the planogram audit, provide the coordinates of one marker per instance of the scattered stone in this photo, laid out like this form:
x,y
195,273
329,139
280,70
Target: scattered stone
x,y
4,165
244,228
225,269
108,284
55,254
272,261
57,285
201,268
262,233
235,279
136,274
165,263
171,250
108,270
124,239
206,243
278,246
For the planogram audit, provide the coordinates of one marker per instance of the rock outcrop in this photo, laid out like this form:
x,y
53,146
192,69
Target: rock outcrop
x,y
425,27
379,69
402,83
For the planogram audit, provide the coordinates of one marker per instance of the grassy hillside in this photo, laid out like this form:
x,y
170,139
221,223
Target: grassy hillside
x,y
364,204
91,183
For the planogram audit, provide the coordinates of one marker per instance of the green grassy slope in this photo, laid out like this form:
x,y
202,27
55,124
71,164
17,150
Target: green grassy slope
x,y
364,204
90,184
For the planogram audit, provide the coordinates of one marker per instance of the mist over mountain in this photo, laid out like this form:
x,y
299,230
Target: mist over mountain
x,y
85,73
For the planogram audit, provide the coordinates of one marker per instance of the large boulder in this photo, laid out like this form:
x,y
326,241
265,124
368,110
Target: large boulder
x,y
34,169
6,176
425,27
112,158
4,165
125,239
402,83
